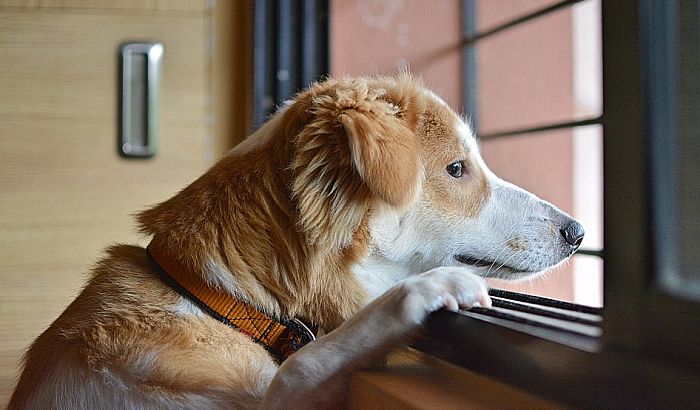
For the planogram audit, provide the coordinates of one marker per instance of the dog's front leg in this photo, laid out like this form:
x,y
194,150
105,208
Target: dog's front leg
x,y
317,375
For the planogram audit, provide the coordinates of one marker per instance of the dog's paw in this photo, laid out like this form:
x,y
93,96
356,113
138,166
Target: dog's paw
x,y
445,287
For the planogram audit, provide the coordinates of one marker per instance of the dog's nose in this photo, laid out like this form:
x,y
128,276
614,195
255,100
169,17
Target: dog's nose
x,y
573,233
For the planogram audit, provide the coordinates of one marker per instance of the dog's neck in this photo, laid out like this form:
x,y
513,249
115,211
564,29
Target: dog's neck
x,y
281,336
244,240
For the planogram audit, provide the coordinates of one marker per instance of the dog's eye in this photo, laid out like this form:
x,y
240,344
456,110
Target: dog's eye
x,y
455,169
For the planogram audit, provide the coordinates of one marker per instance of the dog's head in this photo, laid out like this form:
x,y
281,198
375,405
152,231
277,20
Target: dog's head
x,y
432,199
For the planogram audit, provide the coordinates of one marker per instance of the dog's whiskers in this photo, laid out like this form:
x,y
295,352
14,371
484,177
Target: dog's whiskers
x,y
526,259
488,272
494,248
508,260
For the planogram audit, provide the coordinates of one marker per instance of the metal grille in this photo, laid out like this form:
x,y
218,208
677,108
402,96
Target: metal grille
x,y
290,51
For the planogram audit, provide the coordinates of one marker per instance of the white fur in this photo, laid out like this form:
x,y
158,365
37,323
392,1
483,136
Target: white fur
x,y
317,375
219,277
186,307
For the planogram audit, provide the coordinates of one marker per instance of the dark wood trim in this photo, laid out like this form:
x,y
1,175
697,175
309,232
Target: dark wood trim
x,y
626,194
558,371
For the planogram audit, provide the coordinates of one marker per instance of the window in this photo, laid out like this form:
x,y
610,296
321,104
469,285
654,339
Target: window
x,y
649,100
651,80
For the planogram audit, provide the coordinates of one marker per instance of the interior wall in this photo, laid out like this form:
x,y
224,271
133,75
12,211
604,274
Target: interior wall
x,y
65,193
231,45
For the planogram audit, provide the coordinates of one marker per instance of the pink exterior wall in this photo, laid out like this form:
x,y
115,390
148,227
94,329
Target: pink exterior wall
x,y
382,36
525,74
494,12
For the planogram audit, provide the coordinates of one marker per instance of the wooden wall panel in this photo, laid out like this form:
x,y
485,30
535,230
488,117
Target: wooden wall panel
x,y
65,194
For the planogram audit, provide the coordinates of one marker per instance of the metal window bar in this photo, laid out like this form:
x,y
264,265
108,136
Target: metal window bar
x,y
542,128
476,36
564,326
290,51
469,62
263,61
471,38
287,19
542,301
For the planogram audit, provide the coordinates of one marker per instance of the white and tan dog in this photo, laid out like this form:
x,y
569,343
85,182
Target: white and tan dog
x,y
361,207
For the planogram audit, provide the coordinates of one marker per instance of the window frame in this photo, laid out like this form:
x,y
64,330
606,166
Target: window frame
x,y
647,356
640,315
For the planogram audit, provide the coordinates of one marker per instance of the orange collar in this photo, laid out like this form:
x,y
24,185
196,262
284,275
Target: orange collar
x,y
279,336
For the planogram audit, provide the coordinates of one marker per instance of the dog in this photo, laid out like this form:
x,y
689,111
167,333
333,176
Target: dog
x,y
358,209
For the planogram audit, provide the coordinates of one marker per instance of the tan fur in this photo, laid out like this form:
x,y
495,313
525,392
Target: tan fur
x,y
283,222
316,223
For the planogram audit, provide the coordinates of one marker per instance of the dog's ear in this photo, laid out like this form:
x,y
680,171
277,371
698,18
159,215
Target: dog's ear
x,y
380,132
358,145
384,151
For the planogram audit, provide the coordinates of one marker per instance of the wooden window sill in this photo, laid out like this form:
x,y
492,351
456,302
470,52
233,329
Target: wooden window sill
x,y
412,379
